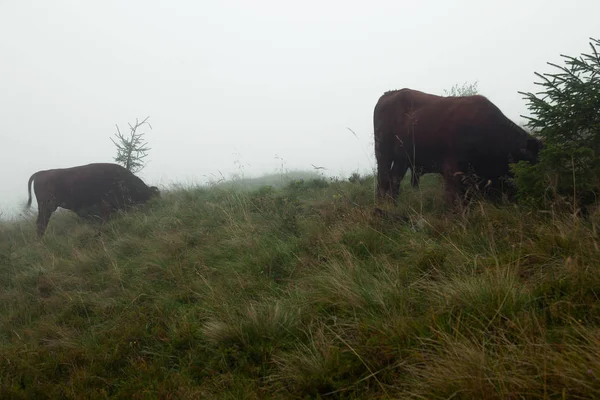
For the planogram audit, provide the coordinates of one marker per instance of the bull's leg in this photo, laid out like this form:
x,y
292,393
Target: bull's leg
x,y
384,177
397,174
45,211
389,175
501,190
451,184
105,210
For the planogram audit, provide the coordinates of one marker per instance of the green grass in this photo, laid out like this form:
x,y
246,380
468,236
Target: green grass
x,y
301,292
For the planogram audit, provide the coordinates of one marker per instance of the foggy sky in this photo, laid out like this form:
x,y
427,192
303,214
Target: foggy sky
x,y
245,81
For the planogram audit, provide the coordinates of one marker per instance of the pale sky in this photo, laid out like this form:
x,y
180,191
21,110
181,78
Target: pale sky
x,y
246,81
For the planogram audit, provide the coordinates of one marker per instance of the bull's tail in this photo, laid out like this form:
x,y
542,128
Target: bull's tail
x,y
29,189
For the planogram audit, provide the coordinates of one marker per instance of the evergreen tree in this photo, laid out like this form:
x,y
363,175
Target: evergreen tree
x,y
566,117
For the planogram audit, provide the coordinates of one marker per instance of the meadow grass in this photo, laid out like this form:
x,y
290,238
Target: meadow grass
x,y
302,292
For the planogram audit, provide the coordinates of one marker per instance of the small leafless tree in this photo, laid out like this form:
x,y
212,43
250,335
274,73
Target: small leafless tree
x,y
132,150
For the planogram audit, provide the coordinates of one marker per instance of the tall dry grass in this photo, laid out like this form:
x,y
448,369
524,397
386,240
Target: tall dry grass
x,y
302,292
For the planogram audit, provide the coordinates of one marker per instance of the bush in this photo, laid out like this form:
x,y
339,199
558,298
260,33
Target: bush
x,y
567,119
467,89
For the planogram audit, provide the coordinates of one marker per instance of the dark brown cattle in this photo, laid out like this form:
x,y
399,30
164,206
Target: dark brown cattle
x,y
446,135
83,189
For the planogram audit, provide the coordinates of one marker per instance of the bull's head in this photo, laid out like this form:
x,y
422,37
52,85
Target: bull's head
x,y
532,149
154,191
534,146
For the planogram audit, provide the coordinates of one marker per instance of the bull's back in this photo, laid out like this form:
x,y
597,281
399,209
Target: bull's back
x,y
451,120
122,185
85,185
414,118
437,126
397,109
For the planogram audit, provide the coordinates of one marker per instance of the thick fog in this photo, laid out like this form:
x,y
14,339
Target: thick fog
x,y
233,86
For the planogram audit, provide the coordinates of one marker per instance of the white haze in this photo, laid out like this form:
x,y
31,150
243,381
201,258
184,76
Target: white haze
x,y
232,85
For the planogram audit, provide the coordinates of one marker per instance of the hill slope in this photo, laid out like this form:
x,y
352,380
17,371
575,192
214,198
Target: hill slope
x,y
299,292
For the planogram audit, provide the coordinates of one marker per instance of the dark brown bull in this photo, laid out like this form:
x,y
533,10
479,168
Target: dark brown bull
x,y
103,186
446,135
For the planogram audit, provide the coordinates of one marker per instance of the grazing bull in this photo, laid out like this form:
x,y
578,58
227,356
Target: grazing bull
x,y
103,186
446,135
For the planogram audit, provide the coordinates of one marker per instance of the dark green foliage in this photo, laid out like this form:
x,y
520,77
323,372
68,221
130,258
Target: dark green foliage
x,y
566,117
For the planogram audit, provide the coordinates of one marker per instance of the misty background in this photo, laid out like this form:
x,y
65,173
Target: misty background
x,y
236,86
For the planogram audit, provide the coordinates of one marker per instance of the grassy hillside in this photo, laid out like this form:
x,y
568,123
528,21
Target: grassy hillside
x,y
301,292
